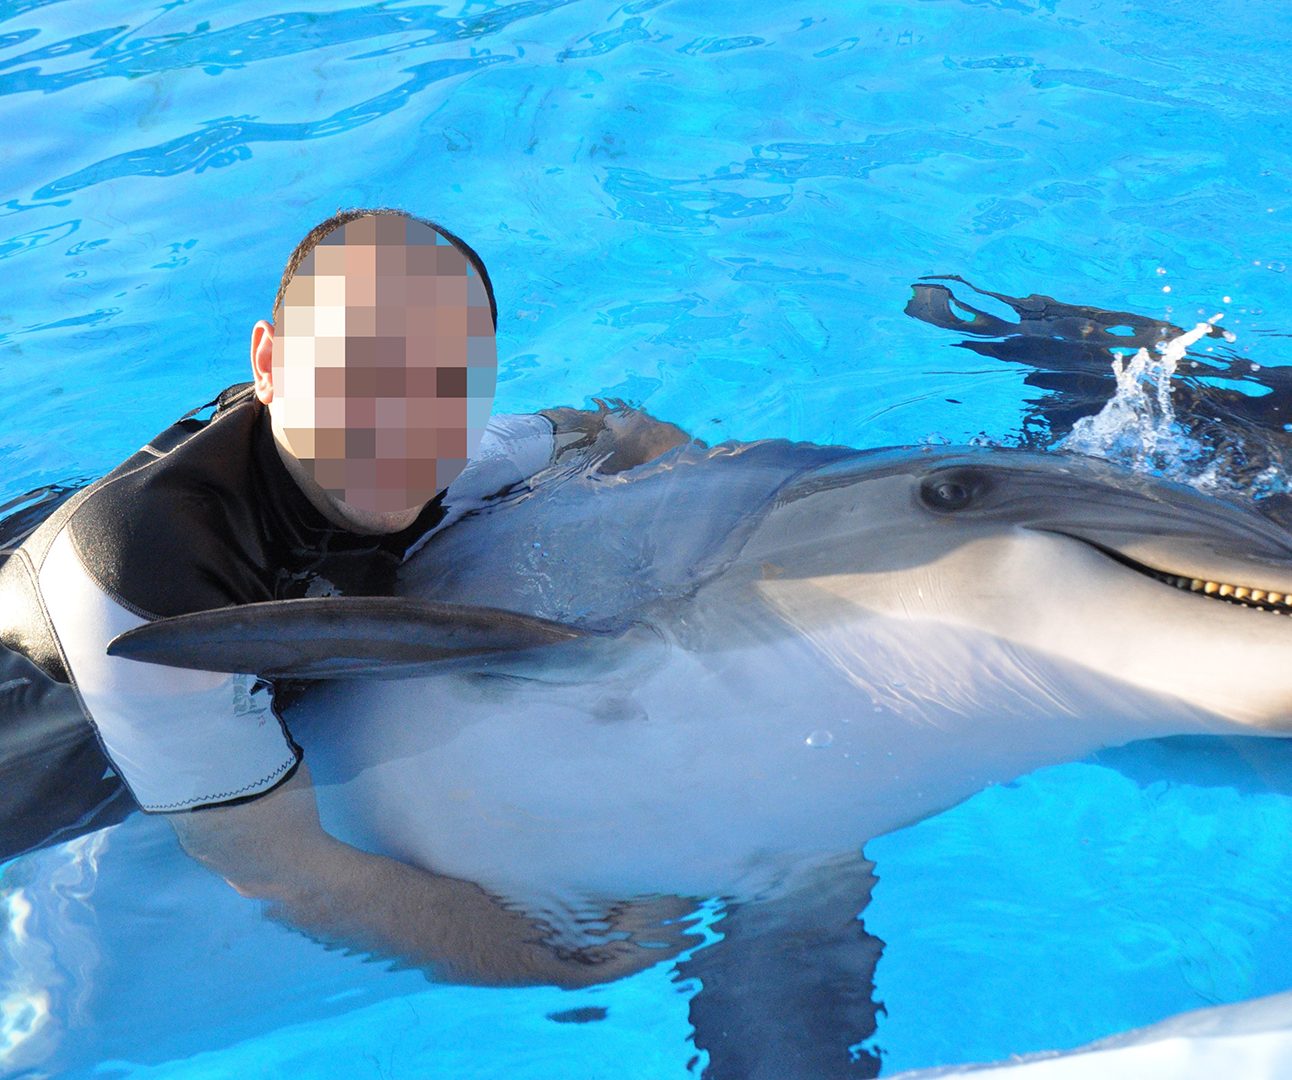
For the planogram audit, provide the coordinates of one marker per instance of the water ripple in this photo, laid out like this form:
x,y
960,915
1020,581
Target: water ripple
x,y
998,63
20,7
702,45
607,41
639,196
798,161
1108,83
90,318
9,40
223,142
36,238
271,37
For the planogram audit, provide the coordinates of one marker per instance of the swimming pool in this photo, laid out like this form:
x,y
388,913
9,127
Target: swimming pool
x,y
717,212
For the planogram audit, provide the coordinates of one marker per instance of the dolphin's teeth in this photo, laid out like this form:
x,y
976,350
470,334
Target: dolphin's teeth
x,y
1263,599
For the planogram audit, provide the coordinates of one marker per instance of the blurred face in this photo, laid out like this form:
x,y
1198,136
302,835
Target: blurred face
x,y
384,364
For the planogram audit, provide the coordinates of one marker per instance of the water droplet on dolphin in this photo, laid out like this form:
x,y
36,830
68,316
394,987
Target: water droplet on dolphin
x,y
819,739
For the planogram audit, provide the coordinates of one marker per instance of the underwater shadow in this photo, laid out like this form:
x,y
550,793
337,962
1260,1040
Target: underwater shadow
x,y
1249,764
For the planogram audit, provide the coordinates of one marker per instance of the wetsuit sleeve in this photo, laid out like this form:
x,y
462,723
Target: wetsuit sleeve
x,y
180,739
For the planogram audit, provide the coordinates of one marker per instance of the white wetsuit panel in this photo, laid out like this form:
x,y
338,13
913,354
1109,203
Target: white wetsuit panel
x,y
178,738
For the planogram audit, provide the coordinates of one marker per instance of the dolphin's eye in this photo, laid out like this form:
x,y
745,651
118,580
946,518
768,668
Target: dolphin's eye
x,y
952,490
948,495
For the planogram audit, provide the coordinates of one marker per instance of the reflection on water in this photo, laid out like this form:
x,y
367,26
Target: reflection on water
x,y
24,1009
1141,391
49,948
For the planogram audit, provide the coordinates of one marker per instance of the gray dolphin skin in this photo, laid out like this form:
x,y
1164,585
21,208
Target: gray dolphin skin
x,y
333,637
798,649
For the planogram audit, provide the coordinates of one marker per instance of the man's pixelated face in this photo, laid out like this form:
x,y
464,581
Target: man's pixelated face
x,y
385,363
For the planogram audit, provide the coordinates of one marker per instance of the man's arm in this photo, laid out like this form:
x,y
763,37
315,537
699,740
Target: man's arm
x,y
273,848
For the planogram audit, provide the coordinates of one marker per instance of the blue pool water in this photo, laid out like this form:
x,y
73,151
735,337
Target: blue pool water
x,y
717,211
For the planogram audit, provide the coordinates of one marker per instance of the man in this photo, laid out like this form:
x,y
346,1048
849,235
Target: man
x,y
366,428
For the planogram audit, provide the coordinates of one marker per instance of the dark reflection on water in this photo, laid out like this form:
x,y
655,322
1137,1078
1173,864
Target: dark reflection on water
x,y
1251,765
1235,409
20,517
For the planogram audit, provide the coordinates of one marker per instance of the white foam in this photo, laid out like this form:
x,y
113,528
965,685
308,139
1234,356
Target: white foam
x,y
1138,426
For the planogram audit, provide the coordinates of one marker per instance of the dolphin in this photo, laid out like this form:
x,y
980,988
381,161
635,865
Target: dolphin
x,y
776,652
791,650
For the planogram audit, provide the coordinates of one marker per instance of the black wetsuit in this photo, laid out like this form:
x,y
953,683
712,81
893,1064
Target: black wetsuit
x,y
205,516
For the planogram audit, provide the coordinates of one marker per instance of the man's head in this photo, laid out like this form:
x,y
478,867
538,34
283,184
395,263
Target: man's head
x,y
380,366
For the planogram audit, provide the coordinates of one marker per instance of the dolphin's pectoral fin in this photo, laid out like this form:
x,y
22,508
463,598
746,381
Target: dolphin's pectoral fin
x,y
790,987
335,637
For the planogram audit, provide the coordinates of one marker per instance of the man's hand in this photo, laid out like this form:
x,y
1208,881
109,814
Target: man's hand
x,y
273,848
640,934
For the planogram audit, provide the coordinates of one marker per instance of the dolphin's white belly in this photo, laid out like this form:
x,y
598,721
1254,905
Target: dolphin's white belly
x,y
678,784
684,770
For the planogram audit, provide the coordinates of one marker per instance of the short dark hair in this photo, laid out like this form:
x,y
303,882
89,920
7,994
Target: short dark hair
x,y
344,217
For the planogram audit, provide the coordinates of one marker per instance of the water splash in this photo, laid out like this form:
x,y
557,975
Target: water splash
x,y
1138,426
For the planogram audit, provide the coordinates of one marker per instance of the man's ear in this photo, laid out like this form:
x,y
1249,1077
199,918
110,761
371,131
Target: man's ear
x,y
262,360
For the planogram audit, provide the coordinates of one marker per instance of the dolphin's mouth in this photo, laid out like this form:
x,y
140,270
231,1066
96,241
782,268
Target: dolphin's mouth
x,y
1276,603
